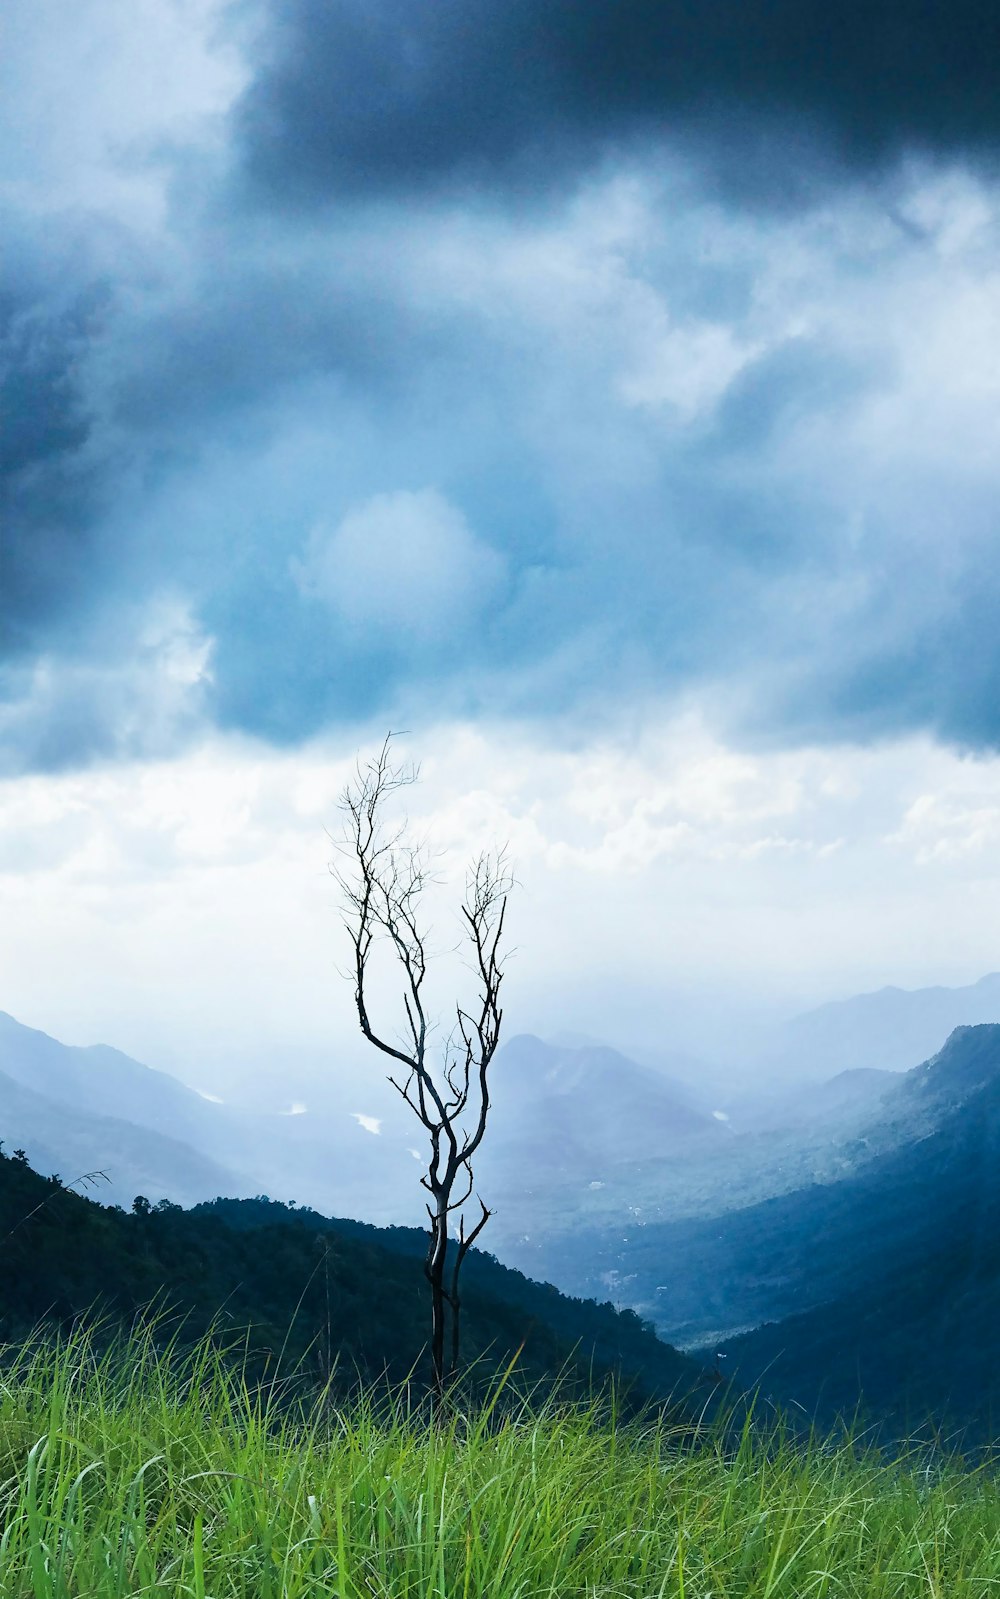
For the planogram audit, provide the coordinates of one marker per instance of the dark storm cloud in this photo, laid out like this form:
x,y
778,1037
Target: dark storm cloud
x,y
132,419
246,332
373,95
112,387
48,484
679,430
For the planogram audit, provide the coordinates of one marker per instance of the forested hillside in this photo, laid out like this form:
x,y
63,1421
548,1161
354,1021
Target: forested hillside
x,y
897,1272
337,1294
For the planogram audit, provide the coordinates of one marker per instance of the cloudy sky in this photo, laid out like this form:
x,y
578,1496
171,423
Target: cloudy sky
x,y
605,392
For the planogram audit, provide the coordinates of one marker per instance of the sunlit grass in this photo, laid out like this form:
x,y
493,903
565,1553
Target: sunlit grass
x,y
131,1473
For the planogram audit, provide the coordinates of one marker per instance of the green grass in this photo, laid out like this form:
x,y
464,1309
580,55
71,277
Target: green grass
x,y
137,1473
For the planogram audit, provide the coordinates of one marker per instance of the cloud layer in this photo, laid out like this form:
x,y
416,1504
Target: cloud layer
x,y
669,887
435,361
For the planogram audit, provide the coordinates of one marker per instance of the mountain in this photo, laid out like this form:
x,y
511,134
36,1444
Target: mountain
x,y
594,1223
76,1110
573,1117
883,1286
889,1030
886,1272
104,1082
834,1108
115,1157
588,1153
339,1296
704,1278
896,1276
592,1142
566,1123
578,1135
589,1104
691,1079
597,1148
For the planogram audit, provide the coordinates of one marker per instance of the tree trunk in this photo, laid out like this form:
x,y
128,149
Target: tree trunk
x,y
456,1305
434,1270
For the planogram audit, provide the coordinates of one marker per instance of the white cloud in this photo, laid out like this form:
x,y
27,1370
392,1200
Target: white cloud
x,y
187,908
93,92
404,566
689,368
960,824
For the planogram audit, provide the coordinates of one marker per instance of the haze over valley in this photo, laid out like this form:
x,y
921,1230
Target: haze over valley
x,y
709,1199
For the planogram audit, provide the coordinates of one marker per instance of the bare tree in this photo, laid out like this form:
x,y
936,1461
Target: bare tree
x,y
382,882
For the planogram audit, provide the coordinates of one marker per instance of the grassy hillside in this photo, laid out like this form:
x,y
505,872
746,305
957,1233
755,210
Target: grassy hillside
x,y
140,1475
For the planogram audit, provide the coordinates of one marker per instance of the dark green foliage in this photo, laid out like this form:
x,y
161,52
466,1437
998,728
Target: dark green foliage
x,y
330,1294
502,1309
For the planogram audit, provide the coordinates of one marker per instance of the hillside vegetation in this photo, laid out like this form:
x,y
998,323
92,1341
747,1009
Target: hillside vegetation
x,y
341,1296
898,1272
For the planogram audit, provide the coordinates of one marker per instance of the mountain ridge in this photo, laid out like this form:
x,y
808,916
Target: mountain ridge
x,y
890,1028
337,1296
913,1326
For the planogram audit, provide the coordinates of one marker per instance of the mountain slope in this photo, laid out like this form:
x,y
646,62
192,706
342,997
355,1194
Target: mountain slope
x,y
918,1168
915,1346
589,1104
899,1286
327,1291
887,1284
78,1110
836,1105
130,1159
570,1130
104,1082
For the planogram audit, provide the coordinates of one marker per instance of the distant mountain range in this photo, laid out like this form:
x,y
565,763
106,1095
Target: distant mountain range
x,y
83,1111
602,1104
810,1110
884,1282
575,1112
889,1030
702,1277
887,1282
570,1113
581,1136
76,1111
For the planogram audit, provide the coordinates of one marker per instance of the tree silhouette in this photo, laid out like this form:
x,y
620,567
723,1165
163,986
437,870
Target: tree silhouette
x,y
381,884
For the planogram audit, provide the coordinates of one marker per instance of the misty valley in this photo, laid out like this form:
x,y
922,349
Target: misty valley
x,y
819,1223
